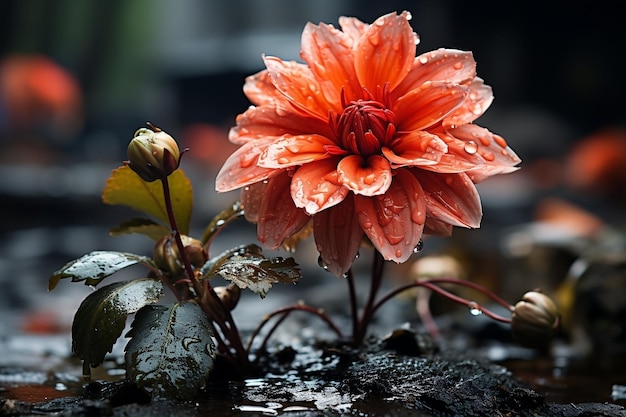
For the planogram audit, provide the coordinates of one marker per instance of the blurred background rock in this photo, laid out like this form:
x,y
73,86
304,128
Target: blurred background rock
x,y
78,77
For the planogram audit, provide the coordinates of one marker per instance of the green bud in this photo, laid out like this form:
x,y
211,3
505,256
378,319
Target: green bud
x,y
535,319
153,154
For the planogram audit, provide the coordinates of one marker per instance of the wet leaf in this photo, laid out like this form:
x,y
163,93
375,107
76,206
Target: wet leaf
x,y
125,187
247,267
222,219
171,350
101,317
147,227
95,266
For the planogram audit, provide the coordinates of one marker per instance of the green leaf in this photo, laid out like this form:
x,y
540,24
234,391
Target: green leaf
x,y
171,352
147,227
247,267
95,266
125,187
101,317
222,219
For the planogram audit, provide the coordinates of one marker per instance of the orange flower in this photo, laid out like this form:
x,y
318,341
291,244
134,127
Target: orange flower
x,y
365,138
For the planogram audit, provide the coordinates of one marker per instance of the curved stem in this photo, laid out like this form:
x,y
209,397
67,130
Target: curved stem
x,y
285,311
473,286
433,287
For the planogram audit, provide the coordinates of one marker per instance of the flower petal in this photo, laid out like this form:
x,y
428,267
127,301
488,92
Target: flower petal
x,y
498,156
451,198
294,150
479,98
371,177
278,216
427,105
416,148
298,84
385,52
328,52
251,197
450,65
338,236
241,169
434,227
276,119
315,186
394,221
260,90
352,27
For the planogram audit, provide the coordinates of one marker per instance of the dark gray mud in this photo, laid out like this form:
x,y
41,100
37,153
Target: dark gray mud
x,y
326,380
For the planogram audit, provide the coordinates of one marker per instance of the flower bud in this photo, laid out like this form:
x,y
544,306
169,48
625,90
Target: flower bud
x,y
535,319
167,256
228,295
152,154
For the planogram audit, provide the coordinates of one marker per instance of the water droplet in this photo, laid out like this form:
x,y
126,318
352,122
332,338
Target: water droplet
x,y
418,248
489,156
477,109
471,147
321,263
474,308
458,66
423,59
500,141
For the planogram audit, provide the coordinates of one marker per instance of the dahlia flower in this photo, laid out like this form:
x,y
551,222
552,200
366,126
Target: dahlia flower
x,y
364,139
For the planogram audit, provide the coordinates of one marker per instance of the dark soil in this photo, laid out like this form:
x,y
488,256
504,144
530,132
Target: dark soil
x,y
379,380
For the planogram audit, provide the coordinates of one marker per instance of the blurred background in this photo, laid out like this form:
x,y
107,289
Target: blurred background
x,y
78,77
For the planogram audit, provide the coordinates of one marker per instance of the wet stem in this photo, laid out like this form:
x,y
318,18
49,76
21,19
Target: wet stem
x,y
205,291
360,324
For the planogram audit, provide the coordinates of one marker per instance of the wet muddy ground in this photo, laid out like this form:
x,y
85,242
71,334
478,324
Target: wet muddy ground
x,y
402,374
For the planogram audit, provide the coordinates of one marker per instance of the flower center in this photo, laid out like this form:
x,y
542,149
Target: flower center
x,y
364,127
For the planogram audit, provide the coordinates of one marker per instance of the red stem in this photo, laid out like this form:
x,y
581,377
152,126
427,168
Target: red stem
x,y
286,311
431,284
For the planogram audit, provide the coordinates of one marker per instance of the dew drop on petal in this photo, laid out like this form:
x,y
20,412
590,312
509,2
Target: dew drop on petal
x,y
474,308
477,109
321,263
423,59
500,141
471,147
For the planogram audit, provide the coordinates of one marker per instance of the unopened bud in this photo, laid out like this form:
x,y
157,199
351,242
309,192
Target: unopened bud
x,y
229,296
167,256
535,319
153,154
